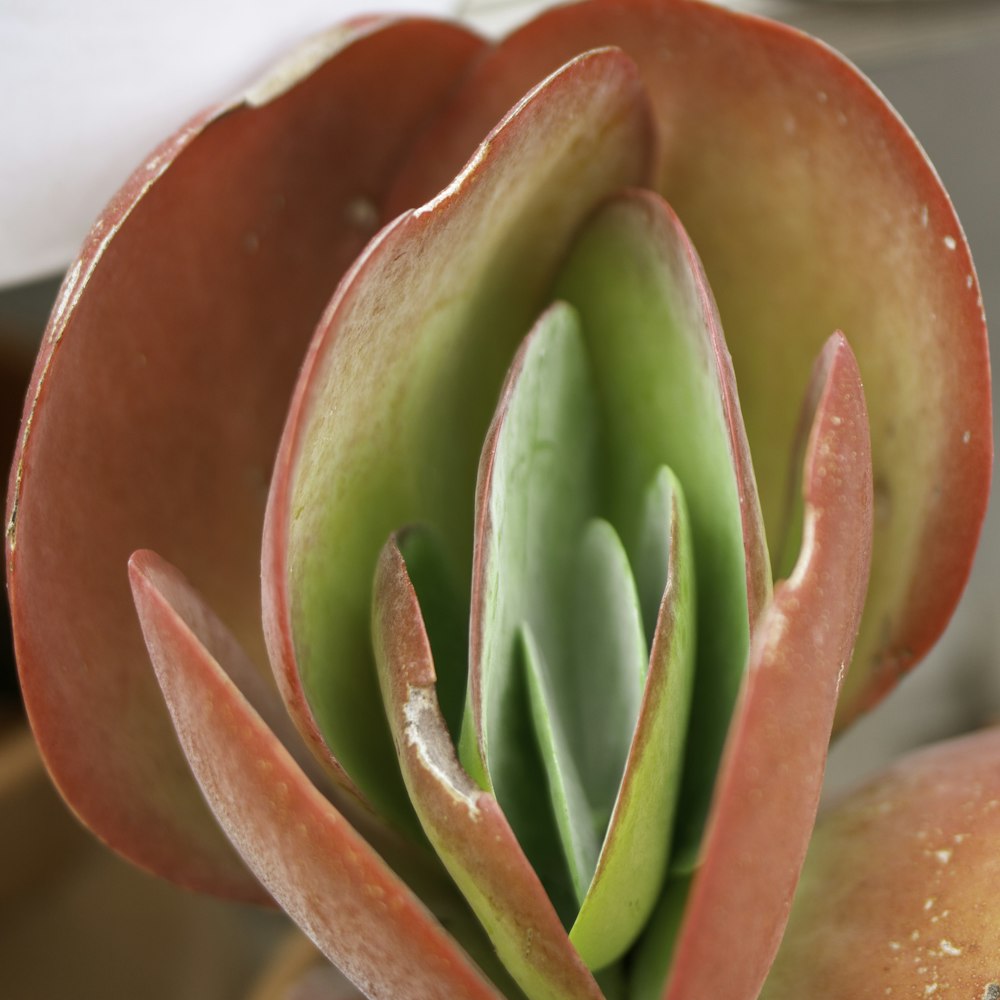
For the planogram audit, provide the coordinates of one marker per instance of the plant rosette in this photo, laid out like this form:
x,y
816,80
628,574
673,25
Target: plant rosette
x,y
542,725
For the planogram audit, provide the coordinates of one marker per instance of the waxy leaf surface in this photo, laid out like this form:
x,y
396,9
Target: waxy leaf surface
x,y
668,397
536,490
633,862
557,629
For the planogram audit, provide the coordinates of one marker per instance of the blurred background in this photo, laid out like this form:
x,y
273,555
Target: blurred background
x,y
94,87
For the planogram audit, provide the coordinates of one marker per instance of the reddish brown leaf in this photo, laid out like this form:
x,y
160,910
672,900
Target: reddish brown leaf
x,y
321,871
768,788
157,402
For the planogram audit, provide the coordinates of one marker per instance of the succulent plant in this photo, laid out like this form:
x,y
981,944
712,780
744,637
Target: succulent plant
x,y
510,458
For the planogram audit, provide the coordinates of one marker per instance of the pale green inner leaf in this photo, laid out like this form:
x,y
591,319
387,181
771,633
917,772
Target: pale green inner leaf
x,y
577,832
585,716
645,328
653,549
544,480
633,859
561,602
602,692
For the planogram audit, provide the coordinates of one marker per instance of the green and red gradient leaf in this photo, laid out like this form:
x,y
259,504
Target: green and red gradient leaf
x,y
464,823
899,891
312,861
813,209
158,401
389,415
767,793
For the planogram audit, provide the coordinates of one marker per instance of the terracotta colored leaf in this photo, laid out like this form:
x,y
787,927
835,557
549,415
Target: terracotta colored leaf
x,y
899,892
463,822
389,415
813,209
321,871
768,788
158,399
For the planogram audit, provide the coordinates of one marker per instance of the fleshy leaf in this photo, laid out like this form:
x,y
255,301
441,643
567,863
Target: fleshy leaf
x,y
813,208
537,489
611,657
654,548
321,871
898,894
158,400
389,415
633,859
766,797
668,397
586,714
580,841
464,823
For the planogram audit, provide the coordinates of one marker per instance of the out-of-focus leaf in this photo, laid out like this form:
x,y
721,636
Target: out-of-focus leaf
x,y
898,894
158,399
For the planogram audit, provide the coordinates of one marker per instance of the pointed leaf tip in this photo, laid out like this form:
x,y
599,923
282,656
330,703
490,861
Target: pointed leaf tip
x,y
766,797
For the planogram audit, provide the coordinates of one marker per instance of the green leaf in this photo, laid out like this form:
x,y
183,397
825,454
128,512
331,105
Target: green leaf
x,y
446,617
538,489
580,841
653,550
603,690
668,397
585,715
634,857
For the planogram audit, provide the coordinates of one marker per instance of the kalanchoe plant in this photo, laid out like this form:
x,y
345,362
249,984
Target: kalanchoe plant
x,y
556,735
